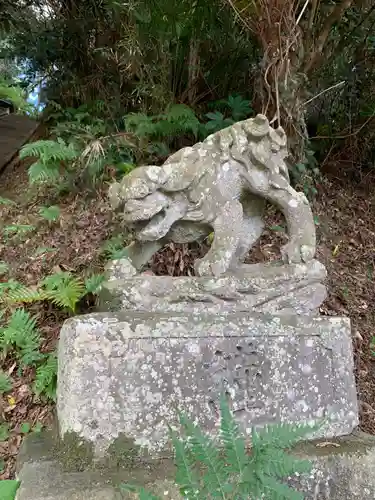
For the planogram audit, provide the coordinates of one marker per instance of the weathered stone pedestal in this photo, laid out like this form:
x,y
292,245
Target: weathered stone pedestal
x,y
125,374
167,344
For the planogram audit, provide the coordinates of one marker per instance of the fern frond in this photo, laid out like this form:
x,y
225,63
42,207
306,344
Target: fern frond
x,y
63,289
94,282
234,444
14,94
139,123
22,294
46,378
5,382
207,453
282,435
21,332
278,463
50,151
18,229
186,476
114,248
274,490
3,267
39,172
11,284
30,355
51,213
183,118
177,120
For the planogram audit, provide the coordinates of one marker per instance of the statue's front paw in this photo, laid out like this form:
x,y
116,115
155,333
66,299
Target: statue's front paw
x,y
307,252
202,268
295,252
209,267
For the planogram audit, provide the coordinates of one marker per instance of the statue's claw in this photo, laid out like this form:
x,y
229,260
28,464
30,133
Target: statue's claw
x,y
294,252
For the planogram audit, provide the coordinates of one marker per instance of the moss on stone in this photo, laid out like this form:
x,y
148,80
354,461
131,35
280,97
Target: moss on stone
x,y
74,453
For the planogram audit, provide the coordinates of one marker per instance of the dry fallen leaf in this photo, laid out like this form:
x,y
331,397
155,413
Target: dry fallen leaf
x,y
11,401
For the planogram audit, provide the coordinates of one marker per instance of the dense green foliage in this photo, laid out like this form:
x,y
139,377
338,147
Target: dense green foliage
x,y
19,333
206,468
309,66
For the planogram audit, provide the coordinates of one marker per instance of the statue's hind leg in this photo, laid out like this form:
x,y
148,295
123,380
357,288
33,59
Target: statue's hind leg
x,y
252,227
227,229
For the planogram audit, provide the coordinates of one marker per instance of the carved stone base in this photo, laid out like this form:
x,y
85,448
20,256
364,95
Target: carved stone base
x,y
275,289
122,376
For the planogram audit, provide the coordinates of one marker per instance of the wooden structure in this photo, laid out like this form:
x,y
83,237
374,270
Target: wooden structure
x,y
15,131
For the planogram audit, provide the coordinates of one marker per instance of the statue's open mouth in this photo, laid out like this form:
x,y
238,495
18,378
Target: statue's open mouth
x,y
144,209
154,215
150,226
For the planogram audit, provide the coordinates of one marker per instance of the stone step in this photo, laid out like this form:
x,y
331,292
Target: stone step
x,y
342,470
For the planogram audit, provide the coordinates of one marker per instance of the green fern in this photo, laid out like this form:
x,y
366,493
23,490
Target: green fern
x,y
50,154
18,230
206,453
233,443
50,151
208,469
143,494
51,213
7,286
40,172
20,293
177,120
63,289
3,267
114,248
16,95
5,382
239,108
46,378
21,334
94,282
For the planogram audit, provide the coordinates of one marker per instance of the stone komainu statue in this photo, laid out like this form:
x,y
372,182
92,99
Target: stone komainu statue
x,y
219,185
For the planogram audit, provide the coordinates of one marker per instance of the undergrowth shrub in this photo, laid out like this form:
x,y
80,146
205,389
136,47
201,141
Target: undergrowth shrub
x,y
81,148
207,469
157,133
306,174
46,377
19,334
160,134
114,248
16,96
226,112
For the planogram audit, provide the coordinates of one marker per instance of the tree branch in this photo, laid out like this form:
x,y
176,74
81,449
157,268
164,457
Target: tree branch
x,y
335,16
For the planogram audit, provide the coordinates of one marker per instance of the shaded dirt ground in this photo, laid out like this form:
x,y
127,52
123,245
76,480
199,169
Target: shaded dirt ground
x,y
345,217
